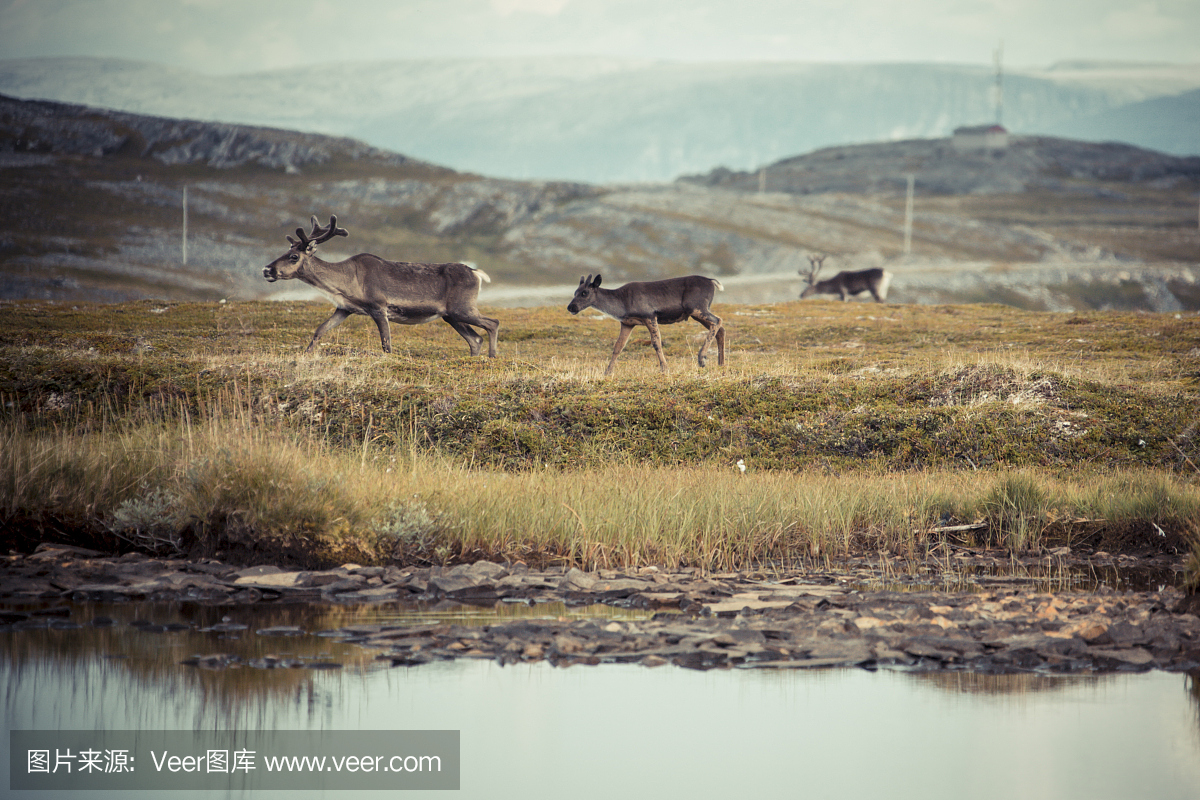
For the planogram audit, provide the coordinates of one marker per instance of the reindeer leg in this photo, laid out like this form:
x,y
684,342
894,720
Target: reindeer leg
x,y
716,330
385,330
656,340
336,318
492,326
622,337
474,340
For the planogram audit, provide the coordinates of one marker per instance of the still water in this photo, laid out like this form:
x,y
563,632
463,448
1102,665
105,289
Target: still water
x,y
533,730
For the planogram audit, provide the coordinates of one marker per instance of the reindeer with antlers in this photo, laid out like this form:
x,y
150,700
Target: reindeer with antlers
x,y
396,291
874,281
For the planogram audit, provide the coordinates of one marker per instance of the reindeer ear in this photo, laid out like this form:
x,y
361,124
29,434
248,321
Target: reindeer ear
x,y
596,282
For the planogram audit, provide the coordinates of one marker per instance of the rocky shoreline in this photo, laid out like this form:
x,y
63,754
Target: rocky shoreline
x,y
788,619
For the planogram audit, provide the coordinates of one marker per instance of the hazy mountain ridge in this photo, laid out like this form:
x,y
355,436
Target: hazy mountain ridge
x,y
607,120
1170,124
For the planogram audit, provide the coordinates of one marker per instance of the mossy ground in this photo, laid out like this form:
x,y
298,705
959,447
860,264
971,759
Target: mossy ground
x,y
816,388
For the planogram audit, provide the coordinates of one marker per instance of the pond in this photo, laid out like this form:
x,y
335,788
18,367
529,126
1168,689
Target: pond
x,y
531,730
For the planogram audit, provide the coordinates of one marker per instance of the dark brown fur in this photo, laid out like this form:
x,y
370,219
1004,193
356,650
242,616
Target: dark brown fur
x,y
873,280
654,303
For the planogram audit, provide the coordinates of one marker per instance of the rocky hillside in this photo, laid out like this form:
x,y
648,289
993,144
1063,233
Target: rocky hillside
x,y
31,127
93,201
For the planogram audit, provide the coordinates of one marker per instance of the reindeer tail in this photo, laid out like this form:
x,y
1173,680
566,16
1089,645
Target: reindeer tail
x,y
480,275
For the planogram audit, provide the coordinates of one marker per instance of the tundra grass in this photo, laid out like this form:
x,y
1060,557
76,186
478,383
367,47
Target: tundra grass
x,y
231,486
859,427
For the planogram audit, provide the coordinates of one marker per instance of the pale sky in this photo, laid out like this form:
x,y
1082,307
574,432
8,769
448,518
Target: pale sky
x,y
235,36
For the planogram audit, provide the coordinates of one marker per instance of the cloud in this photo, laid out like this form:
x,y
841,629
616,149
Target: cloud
x,y
548,8
1143,21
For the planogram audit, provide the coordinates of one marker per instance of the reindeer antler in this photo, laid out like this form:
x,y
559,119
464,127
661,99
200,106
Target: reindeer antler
x,y
317,235
320,235
816,261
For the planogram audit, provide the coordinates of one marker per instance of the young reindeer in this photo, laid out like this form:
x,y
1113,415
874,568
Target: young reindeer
x,y
386,290
874,281
654,303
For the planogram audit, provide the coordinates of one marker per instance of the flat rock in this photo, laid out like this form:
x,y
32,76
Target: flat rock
x,y
735,605
270,580
659,599
52,550
487,570
620,587
107,588
942,648
1134,656
256,571
450,584
578,580
324,578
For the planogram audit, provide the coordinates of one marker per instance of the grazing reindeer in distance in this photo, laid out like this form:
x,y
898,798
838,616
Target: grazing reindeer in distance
x,y
873,280
654,303
386,290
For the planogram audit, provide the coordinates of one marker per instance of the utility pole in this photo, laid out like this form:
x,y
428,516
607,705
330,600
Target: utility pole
x,y
999,90
185,226
908,215
762,180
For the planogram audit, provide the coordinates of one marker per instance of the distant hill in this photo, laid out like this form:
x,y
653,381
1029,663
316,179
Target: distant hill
x,y
1028,163
93,198
609,120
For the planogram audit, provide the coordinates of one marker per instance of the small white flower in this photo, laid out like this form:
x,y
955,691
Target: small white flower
x,y
741,465
1141,442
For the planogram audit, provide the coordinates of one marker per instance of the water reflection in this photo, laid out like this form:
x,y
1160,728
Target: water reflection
x,y
530,729
1047,576
264,651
